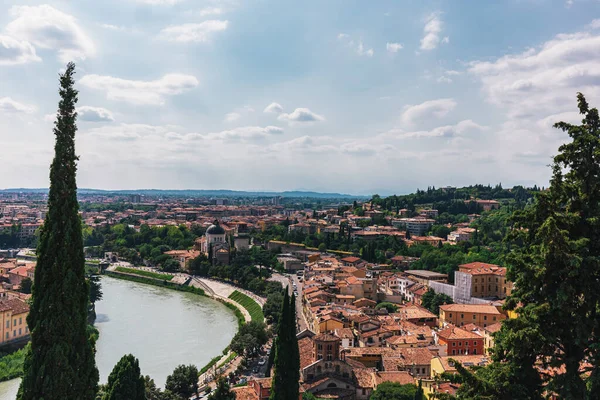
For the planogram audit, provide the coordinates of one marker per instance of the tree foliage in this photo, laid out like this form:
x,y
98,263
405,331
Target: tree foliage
x,y
432,300
61,362
286,376
125,382
394,391
222,392
183,382
553,346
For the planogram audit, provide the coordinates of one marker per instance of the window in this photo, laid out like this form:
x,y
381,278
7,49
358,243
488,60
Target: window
x,y
453,344
475,280
20,320
319,347
462,316
19,331
15,322
453,352
329,357
459,344
6,335
474,351
7,324
15,333
475,289
485,317
450,315
474,343
329,347
474,316
364,392
494,318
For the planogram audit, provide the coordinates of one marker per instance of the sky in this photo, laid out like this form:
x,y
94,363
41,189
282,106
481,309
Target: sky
x,y
345,96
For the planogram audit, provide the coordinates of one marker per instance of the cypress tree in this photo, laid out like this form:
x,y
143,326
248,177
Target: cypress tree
x,y
125,382
279,387
294,361
60,364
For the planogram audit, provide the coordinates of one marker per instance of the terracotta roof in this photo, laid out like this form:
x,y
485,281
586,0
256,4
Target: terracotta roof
x,y
401,377
245,393
454,333
493,328
465,360
305,346
474,308
344,333
325,337
14,305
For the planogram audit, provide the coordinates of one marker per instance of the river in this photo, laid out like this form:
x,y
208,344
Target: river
x,y
161,327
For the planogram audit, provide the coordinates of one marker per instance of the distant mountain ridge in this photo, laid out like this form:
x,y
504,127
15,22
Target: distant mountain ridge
x,y
198,193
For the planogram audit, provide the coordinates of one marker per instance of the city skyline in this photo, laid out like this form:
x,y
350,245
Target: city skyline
x,y
273,96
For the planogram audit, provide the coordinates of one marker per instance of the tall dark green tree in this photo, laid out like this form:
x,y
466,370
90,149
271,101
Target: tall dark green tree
x,y
286,375
61,362
554,344
125,382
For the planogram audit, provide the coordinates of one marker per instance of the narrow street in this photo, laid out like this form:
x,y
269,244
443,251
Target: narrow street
x,y
289,281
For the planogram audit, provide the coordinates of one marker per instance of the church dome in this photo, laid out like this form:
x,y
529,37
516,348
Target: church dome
x,y
215,229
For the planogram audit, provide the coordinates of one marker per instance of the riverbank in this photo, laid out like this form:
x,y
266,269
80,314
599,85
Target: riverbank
x,y
243,313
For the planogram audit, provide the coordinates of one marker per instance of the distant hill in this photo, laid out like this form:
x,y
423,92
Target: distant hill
x,y
199,193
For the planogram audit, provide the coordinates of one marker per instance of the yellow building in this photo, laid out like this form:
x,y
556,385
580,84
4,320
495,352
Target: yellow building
x,y
13,320
329,323
462,314
439,365
487,280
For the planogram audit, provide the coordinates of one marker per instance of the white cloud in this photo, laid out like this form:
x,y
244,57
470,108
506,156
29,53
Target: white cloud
x,y
544,81
244,133
447,131
232,116
432,30
300,115
393,47
595,24
361,51
10,106
140,92
274,108
444,79
358,47
94,114
48,28
159,2
365,149
452,72
432,108
203,12
128,132
14,51
199,33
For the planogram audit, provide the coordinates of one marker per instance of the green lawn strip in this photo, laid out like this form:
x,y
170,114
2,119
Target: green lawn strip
x,y
155,282
231,357
11,365
254,309
148,274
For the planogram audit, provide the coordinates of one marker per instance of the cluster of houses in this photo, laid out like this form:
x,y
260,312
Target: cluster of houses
x,y
351,344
